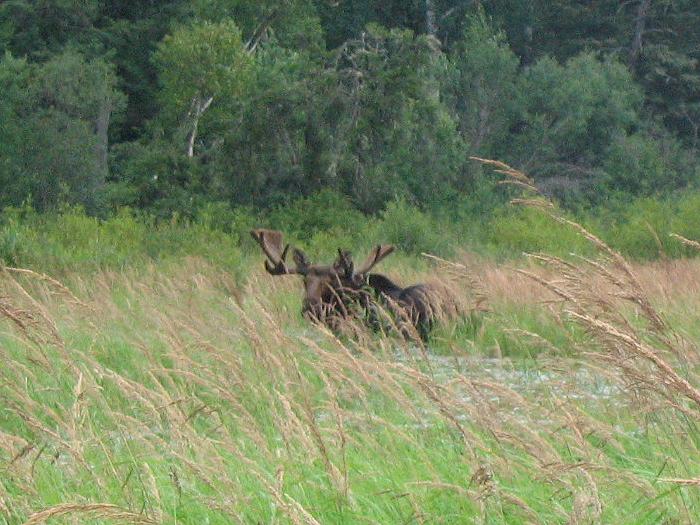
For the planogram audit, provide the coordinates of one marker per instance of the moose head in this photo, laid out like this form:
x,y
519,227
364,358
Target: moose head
x,y
330,290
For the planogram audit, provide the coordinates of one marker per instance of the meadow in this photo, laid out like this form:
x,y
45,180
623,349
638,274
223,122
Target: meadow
x,y
183,389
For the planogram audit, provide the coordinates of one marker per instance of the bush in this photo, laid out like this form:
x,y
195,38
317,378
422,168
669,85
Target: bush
x,y
413,231
70,240
237,222
321,212
642,165
641,230
527,230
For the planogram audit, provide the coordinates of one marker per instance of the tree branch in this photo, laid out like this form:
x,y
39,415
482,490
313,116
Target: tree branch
x,y
199,109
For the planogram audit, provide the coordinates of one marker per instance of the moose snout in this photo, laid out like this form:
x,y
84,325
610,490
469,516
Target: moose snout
x,y
313,309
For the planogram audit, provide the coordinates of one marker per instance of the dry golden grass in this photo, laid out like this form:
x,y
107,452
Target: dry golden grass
x,y
94,511
650,355
671,280
197,398
156,396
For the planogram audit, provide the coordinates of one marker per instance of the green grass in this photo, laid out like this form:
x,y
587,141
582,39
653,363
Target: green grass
x,y
68,240
181,401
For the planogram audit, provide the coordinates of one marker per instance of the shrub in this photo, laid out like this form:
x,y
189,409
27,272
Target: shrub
x,y
321,212
517,230
413,231
641,229
70,240
642,165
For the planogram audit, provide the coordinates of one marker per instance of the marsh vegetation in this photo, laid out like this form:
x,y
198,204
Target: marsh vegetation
x,y
179,392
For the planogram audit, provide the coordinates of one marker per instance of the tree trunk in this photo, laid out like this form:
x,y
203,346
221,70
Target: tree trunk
x,y
198,109
102,147
639,27
430,21
261,30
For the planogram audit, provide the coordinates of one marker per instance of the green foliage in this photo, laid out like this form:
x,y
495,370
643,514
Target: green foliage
x,y
200,66
322,212
344,21
672,84
644,165
326,221
293,24
529,230
57,130
70,240
569,116
156,176
131,32
642,228
167,106
14,78
221,217
279,147
482,86
413,231
201,61
36,27
401,141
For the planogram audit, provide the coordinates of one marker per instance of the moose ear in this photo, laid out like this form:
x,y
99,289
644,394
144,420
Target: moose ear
x,y
376,255
270,241
344,264
301,260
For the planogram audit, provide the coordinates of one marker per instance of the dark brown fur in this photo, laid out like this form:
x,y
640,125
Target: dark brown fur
x,y
340,291
332,292
412,304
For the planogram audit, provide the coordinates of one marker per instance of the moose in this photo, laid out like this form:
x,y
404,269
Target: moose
x,y
341,291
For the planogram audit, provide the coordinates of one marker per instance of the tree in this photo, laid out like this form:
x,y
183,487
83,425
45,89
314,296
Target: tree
x,y
482,86
646,162
368,123
279,144
86,91
14,80
35,27
398,138
665,55
345,21
290,24
130,32
56,127
568,117
200,65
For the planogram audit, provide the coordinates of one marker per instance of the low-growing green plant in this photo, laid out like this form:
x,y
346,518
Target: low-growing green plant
x,y
70,240
413,230
322,211
525,230
640,229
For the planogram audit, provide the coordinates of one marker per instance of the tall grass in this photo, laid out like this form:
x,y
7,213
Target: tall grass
x,y
180,392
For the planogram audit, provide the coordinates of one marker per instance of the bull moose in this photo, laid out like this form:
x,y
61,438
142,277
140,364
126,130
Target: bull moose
x,y
340,290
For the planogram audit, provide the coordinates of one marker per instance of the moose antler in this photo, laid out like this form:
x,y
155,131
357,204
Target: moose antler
x,y
271,243
344,264
376,255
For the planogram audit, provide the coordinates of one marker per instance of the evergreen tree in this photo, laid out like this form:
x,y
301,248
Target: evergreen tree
x,y
58,116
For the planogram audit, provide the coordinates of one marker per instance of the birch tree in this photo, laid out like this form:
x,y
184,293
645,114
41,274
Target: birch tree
x,y
201,66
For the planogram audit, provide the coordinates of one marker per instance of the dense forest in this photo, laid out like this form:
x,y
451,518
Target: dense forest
x,y
170,107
